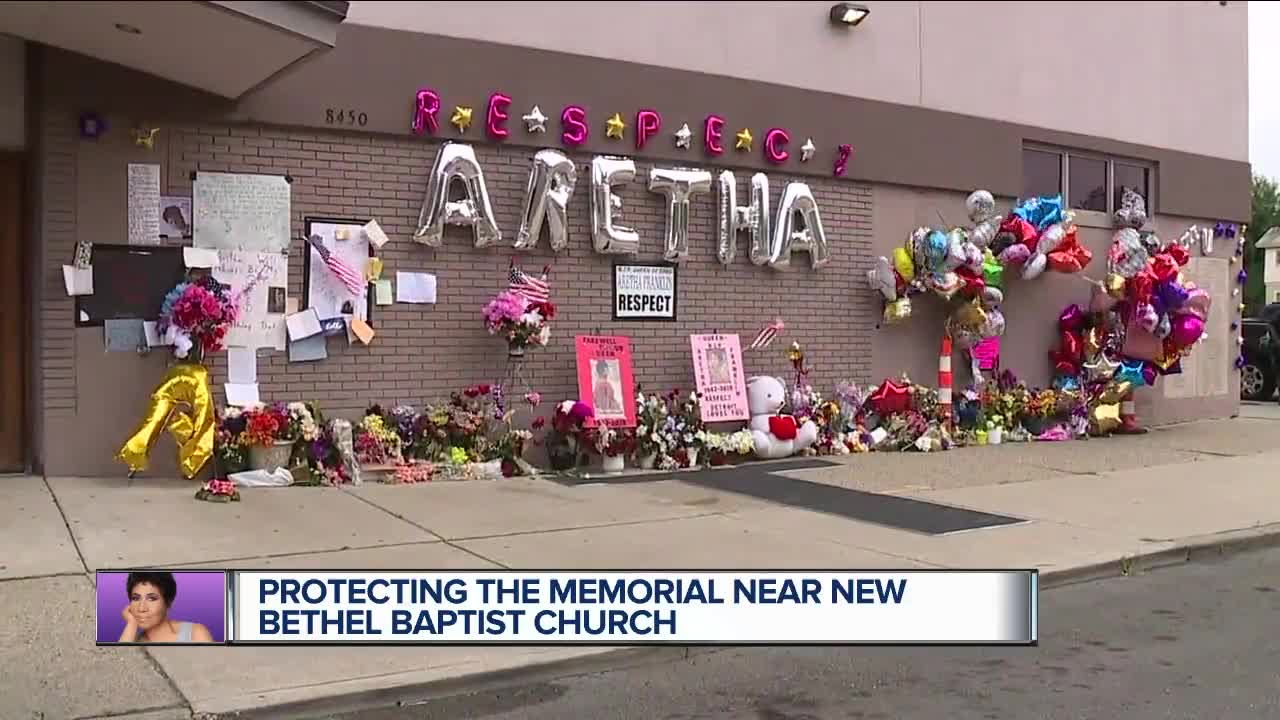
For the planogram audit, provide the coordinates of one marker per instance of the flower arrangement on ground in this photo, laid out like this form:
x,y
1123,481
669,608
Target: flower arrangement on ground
x,y
228,446
195,316
267,425
651,419
218,491
520,322
691,431
741,444
612,442
565,449
510,447
375,442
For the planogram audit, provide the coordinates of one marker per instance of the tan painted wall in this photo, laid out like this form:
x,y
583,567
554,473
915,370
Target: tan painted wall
x,y
13,93
1168,74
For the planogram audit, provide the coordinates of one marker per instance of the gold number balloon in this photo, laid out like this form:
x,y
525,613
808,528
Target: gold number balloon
x,y
183,403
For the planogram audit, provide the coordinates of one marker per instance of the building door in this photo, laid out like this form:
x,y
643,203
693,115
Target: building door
x,y
13,318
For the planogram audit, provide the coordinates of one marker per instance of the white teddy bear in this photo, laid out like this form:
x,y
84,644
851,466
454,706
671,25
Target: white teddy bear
x,y
775,436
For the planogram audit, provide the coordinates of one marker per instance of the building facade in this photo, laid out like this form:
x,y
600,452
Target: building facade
x,y
927,109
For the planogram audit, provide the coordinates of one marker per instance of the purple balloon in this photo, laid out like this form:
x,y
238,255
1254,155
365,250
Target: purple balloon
x,y
1186,330
1172,294
1149,373
1071,319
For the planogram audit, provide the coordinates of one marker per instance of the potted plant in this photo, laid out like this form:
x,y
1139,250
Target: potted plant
x,y
267,434
564,446
1040,410
510,448
690,431
739,446
520,322
717,455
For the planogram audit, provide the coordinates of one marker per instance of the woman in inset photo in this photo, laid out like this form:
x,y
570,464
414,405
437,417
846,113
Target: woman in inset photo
x,y
146,617
606,388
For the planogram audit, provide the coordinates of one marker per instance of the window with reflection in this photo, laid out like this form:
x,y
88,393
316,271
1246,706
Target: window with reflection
x,y
1041,173
1087,183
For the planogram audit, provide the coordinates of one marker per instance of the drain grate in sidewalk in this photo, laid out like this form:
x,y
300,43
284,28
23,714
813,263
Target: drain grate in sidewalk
x,y
760,481
887,510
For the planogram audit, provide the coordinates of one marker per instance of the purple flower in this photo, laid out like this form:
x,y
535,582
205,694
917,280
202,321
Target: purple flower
x,y
1242,277
581,411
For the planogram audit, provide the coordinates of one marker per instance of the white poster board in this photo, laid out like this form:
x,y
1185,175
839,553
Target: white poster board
x,y
144,204
1205,372
644,292
324,291
262,307
237,211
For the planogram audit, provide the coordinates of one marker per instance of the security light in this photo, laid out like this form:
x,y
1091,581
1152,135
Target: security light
x,y
849,14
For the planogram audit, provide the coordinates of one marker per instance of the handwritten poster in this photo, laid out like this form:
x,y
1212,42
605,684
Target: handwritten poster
x,y
717,369
605,381
144,204
325,292
1205,370
235,211
254,278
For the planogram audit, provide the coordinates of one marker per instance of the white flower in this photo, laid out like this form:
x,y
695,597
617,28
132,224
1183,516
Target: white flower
x,y
565,407
544,336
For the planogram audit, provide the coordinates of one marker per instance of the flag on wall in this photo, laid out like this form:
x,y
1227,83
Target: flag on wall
x,y
354,281
767,335
534,290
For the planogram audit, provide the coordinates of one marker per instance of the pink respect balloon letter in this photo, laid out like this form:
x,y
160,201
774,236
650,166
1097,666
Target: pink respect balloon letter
x,y
774,142
496,119
424,114
574,119
712,134
647,124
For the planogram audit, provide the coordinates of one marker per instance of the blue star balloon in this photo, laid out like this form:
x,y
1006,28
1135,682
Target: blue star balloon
x,y
1131,371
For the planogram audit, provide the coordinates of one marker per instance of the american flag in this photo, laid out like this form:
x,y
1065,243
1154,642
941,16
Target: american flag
x,y
534,290
354,281
766,335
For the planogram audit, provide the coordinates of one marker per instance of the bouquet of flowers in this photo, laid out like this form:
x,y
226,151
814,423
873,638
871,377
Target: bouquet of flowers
x,y
651,418
741,442
510,449
267,425
564,439
691,431
195,315
218,491
227,441
375,443
519,321
612,442
302,422
322,454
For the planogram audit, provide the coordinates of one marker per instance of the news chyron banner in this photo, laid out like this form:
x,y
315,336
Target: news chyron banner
x,y
545,608
781,607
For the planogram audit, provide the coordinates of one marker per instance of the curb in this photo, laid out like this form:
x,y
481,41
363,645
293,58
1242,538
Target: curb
x,y
1195,549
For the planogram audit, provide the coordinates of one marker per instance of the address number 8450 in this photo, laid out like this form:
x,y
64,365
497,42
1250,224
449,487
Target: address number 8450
x,y
335,116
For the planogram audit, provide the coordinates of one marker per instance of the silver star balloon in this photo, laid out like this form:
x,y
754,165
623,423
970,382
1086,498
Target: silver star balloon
x,y
807,150
683,136
535,121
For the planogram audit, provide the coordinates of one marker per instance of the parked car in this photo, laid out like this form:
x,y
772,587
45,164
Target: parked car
x,y
1261,351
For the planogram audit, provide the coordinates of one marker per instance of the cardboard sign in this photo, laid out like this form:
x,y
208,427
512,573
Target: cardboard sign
x,y
717,368
644,292
605,381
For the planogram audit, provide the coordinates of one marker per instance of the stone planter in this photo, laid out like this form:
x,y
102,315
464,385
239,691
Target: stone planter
x,y
648,461
270,457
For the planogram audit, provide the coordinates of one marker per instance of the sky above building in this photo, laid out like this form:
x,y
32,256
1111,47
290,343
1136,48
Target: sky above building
x,y
1264,96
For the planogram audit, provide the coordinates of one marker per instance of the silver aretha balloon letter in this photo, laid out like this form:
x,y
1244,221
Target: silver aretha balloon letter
x,y
456,161
797,199
678,184
552,179
606,235
731,217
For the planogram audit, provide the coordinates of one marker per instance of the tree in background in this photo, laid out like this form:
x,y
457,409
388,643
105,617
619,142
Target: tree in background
x,y
1265,215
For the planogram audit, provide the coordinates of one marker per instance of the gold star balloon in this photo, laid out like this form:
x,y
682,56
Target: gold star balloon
x,y
744,139
615,126
461,118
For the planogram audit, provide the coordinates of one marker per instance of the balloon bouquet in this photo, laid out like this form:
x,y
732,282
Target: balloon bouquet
x,y
970,263
1143,319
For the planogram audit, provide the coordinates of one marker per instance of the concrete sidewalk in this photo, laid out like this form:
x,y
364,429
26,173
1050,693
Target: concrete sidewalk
x,y
1085,503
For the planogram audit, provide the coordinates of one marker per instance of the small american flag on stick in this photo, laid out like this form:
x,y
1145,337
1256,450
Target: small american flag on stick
x,y
354,281
767,335
534,290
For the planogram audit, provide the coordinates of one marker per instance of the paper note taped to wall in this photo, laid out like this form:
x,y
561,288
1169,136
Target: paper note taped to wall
x,y
362,330
240,211
196,257
124,335
382,292
241,394
79,281
303,325
415,287
374,232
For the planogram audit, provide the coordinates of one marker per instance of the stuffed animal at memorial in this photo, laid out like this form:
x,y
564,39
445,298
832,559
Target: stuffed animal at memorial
x,y
775,435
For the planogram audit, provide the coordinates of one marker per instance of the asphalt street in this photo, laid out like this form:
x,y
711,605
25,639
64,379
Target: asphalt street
x,y
1197,641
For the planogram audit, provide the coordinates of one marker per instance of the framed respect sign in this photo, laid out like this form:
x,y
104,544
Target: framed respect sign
x,y
644,292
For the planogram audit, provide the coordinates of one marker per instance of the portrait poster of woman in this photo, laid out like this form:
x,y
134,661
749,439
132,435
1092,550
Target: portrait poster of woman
x,y
718,373
161,607
605,381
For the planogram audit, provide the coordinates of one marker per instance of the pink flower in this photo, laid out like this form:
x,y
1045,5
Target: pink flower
x,y
534,399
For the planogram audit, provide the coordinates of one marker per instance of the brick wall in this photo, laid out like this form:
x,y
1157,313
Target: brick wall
x,y
423,352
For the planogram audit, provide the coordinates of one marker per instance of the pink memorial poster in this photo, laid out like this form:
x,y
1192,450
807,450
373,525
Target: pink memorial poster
x,y
605,381
987,353
717,368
